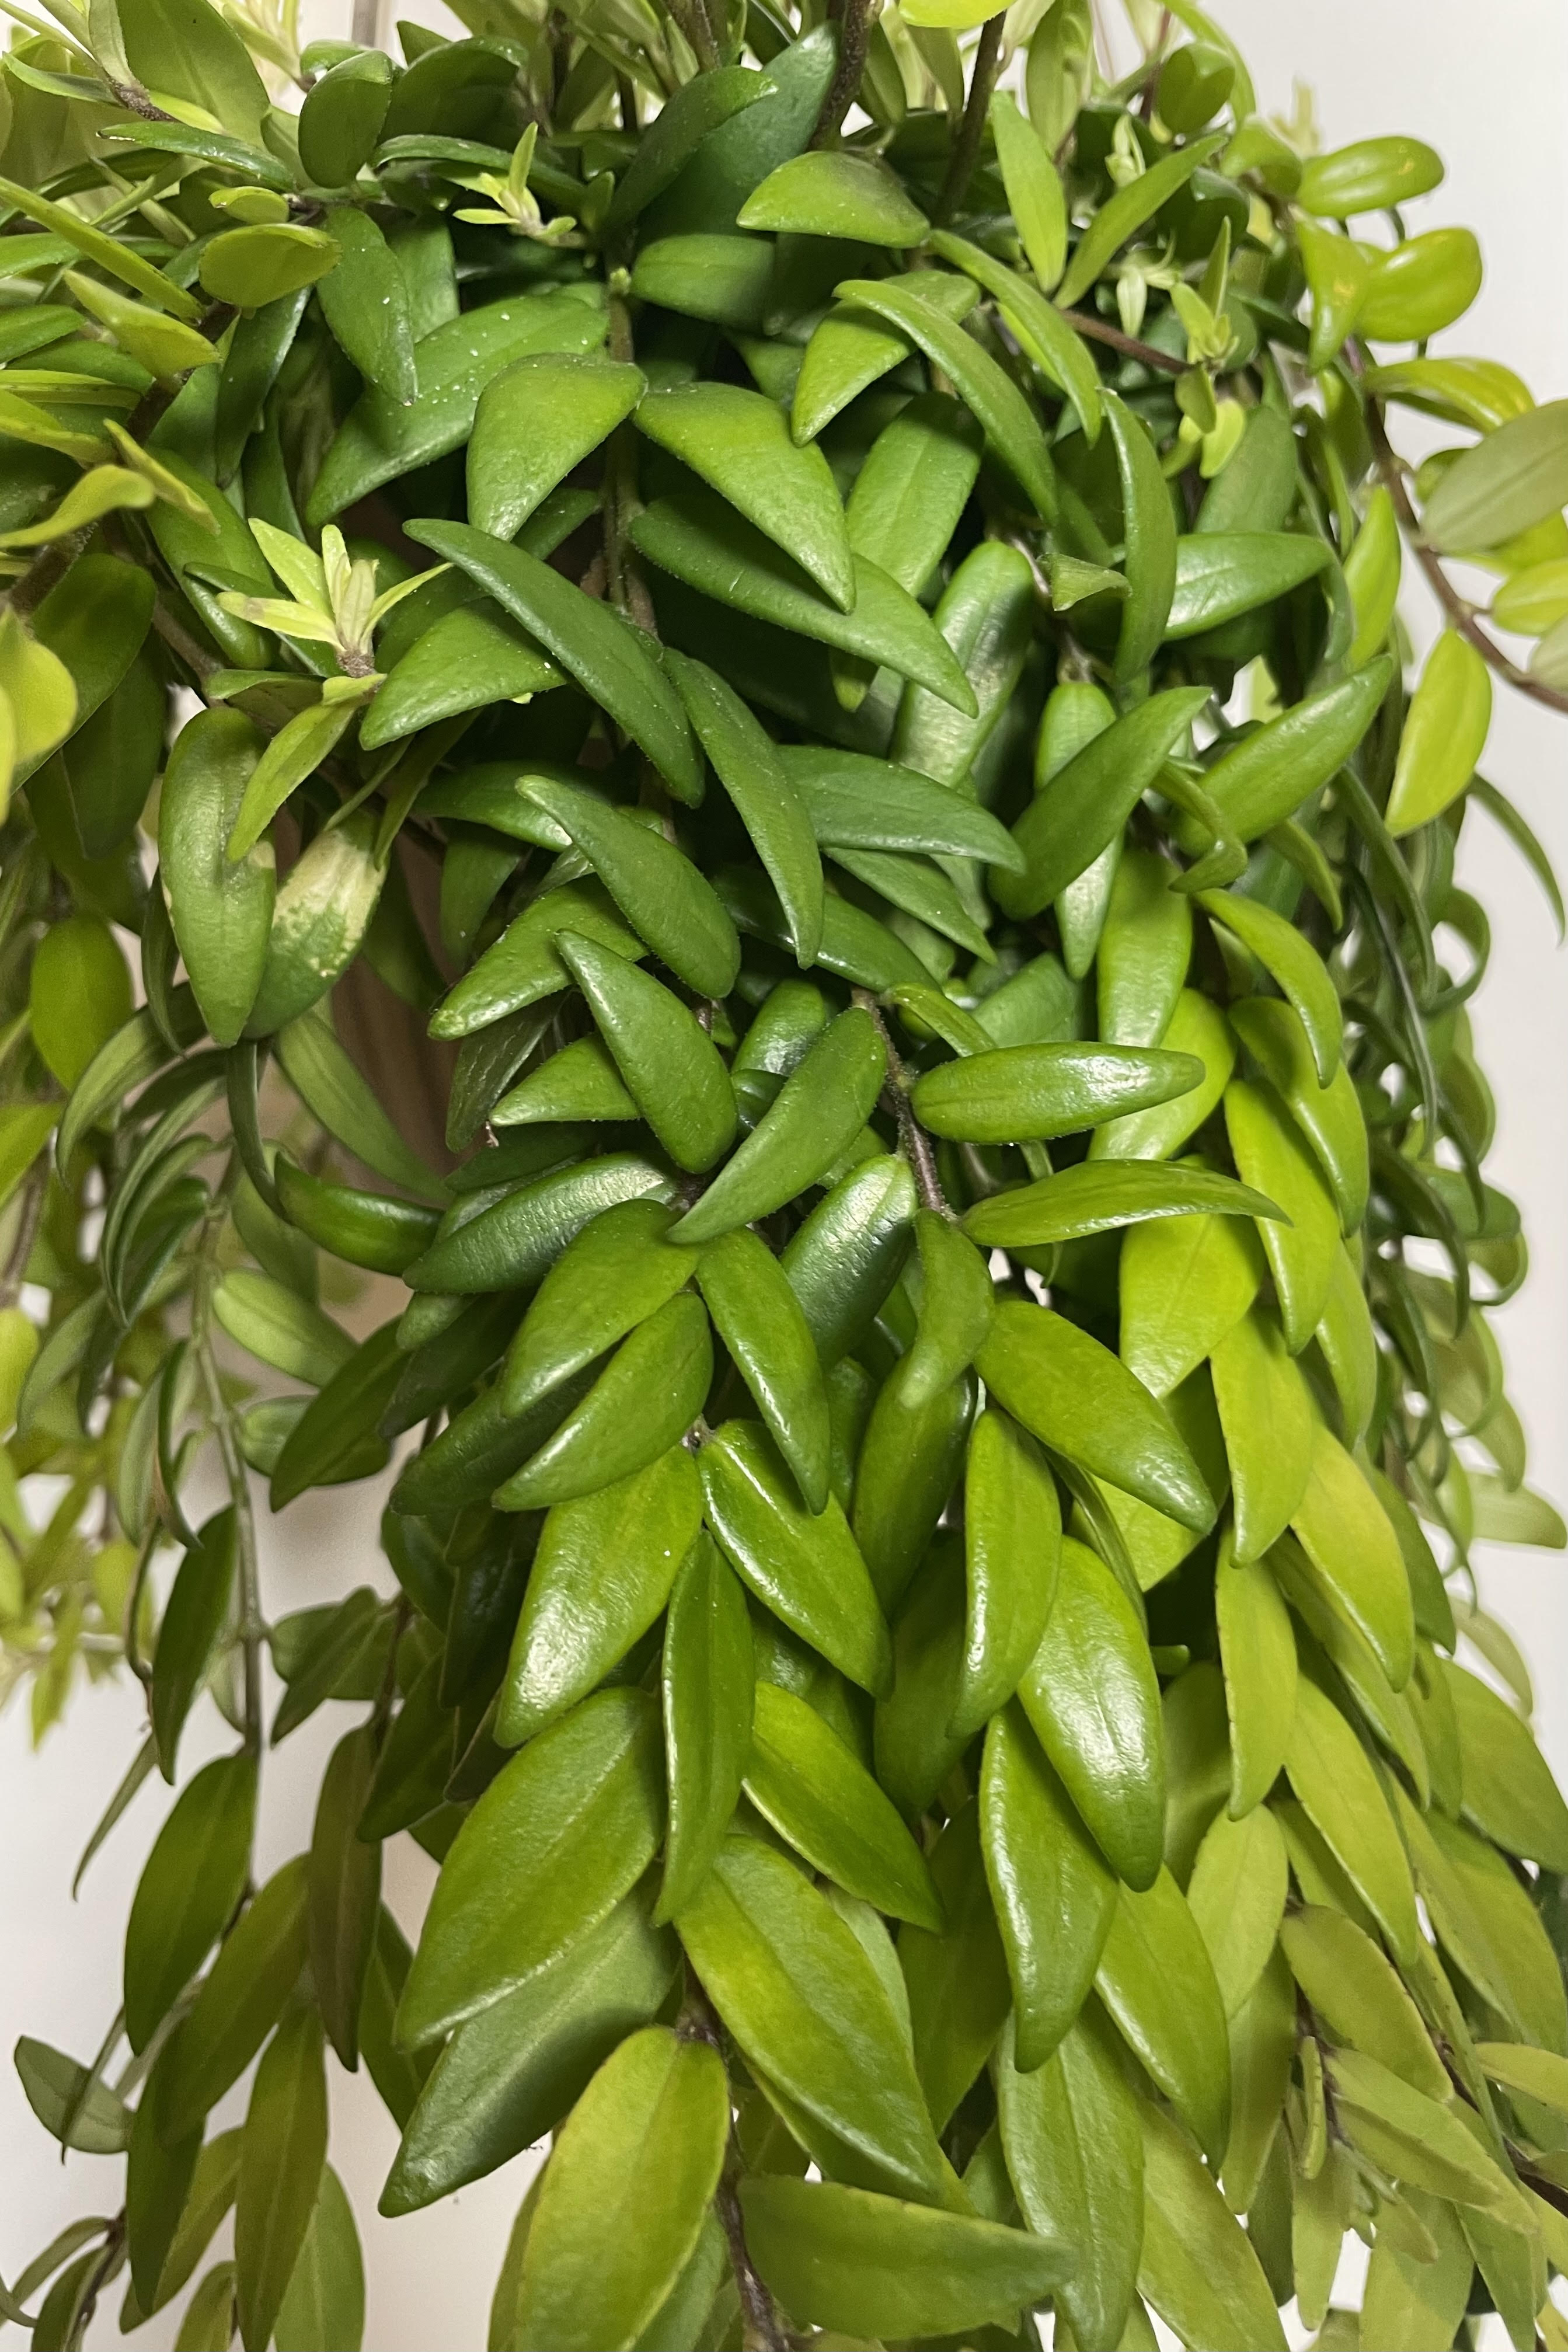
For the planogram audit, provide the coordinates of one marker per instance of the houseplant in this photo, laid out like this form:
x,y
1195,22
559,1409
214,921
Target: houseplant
x,y
930,1290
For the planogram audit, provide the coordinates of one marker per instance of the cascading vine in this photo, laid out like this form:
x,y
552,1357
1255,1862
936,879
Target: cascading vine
x,y
720,833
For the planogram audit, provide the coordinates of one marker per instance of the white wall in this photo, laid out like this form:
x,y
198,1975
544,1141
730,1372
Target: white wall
x,y
1490,89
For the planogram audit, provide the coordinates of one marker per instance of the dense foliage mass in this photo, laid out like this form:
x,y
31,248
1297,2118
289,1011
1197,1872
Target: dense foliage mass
x,y
850,676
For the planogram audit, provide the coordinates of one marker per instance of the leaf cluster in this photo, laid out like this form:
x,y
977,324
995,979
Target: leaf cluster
x,y
809,650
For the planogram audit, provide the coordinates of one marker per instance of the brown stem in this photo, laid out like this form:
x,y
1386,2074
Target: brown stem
x,y
16,1272
966,146
699,2022
691,21
161,397
1099,331
47,570
853,19
135,101
1458,613
179,640
913,1140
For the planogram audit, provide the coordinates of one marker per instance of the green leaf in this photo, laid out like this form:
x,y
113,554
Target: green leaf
x,y
510,2073
79,994
1085,806
220,908
1091,1694
1293,963
240,2000
602,652
1266,1413
379,439
210,2313
1508,1791
1271,1155
343,1891
752,770
1157,1981
806,1568
73,2108
1342,1796
601,1575
838,194
707,1685
1077,1398
1236,1895
1265,777
1075,2155
849,352
798,1993
712,547
738,442
682,123
536,421
1444,735
1221,574
1097,1196
1359,1997
273,1323
341,118
549,1850
283,2156
956,1981
322,2308
910,492
1054,1899
1125,213
1513,478
642,1403
818,1112
509,1242
870,2265
186,51
648,2135
1197,2267
187,1890
364,299
1035,196
1148,529
656,887
992,397
957,1302
1346,1535
1012,1525
1415,2137
252,267
720,277
760,1321
802,1778
908,1461
1036,1091
618,1271
194,1618
321,915
847,1255
105,253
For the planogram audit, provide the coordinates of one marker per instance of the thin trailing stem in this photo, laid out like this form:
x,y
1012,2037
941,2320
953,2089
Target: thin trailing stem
x,y
252,1627
1100,331
971,129
913,1141
765,2328
47,570
852,20
27,1234
1459,615
691,22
